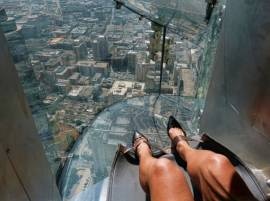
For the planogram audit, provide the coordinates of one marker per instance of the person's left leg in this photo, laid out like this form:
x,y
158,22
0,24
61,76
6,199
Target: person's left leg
x,y
212,173
161,178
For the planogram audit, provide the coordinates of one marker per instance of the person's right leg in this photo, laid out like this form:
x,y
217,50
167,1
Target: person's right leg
x,y
161,178
212,173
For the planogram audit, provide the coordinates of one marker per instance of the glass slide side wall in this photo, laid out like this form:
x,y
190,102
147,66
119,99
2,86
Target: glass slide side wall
x,y
77,58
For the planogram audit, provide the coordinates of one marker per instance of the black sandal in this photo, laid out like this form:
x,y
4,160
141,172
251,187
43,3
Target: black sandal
x,y
130,153
173,123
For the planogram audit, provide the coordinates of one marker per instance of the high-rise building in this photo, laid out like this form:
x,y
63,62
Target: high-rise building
x,y
131,61
80,51
138,72
101,48
142,69
85,67
3,15
119,63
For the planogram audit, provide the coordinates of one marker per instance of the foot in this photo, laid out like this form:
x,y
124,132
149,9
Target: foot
x,y
140,147
179,140
173,123
140,144
175,132
177,136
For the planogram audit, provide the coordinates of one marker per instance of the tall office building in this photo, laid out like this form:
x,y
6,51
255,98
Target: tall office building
x,y
101,48
131,61
142,70
80,51
3,15
138,72
119,63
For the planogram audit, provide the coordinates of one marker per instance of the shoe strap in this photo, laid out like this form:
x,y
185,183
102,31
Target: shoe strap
x,y
138,141
124,149
178,138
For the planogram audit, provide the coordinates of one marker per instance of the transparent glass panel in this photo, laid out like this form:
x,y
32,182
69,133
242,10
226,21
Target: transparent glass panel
x,y
171,12
93,155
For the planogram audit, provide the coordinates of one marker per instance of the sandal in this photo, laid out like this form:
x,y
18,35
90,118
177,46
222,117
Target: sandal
x,y
137,139
130,153
173,123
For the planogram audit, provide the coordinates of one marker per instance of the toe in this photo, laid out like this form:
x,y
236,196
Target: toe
x,y
173,132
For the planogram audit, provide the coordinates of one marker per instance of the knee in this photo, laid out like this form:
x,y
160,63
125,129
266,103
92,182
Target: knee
x,y
217,163
162,166
218,160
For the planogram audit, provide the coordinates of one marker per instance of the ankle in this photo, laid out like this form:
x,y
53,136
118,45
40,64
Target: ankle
x,y
183,148
143,148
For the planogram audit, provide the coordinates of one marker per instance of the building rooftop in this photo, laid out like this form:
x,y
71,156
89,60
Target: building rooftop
x,y
101,65
55,40
121,88
75,76
75,91
81,91
86,63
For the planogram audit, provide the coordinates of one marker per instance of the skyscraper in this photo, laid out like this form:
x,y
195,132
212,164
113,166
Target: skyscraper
x,y
80,51
101,48
131,61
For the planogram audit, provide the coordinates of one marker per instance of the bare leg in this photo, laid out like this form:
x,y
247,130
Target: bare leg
x,y
162,178
212,173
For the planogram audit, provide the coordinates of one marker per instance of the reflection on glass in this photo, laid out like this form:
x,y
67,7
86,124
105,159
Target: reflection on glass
x,y
186,18
164,12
